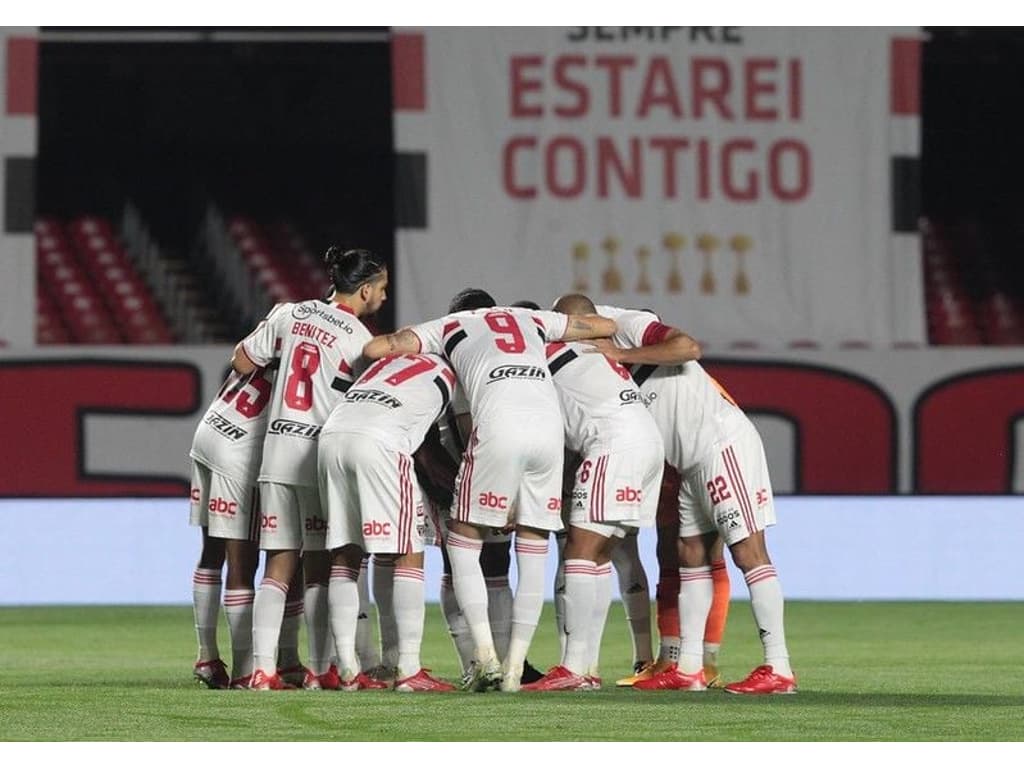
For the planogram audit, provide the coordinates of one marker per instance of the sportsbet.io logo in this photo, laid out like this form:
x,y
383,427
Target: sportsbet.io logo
x,y
505,372
293,429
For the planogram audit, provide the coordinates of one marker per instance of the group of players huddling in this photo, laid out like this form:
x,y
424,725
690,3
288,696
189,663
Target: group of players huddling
x,y
491,424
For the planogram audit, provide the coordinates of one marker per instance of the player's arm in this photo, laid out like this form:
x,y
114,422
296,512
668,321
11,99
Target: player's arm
x,y
587,327
673,348
402,342
241,361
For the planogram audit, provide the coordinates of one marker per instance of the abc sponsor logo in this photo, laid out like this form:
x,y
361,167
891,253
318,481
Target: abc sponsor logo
x,y
315,524
491,500
375,529
554,505
268,522
221,506
628,495
195,496
504,372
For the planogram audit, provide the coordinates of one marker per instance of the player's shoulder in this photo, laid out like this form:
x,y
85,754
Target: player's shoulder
x,y
615,313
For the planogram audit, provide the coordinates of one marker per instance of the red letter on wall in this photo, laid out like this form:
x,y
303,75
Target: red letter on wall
x,y
845,425
963,432
42,410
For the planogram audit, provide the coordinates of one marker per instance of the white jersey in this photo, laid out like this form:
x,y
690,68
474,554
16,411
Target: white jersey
x,y
321,347
601,404
229,439
395,401
691,409
498,354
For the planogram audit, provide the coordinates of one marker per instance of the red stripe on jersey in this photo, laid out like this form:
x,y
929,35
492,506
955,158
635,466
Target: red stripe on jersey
x,y
345,308
344,367
539,322
554,348
449,327
449,376
732,466
277,344
655,332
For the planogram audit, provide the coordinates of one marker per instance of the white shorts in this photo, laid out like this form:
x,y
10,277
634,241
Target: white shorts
x,y
729,492
225,507
291,518
618,486
373,500
511,473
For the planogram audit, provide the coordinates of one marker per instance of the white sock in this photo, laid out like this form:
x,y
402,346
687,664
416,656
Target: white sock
x,y
267,613
602,602
366,643
635,590
696,590
206,610
499,612
383,596
580,593
317,628
343,603
409,613
768,607
238,610
471,592
288,640
458,628
531,558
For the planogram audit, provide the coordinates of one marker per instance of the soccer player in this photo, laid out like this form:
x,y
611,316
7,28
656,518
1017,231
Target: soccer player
x,y
725,494
374,503
512,469
226,452
667,594
320,350
615,491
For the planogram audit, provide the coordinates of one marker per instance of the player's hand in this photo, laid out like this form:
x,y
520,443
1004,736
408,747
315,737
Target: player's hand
x,y
606,347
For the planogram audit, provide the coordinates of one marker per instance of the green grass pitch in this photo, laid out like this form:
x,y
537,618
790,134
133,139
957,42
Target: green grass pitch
x,y
867,671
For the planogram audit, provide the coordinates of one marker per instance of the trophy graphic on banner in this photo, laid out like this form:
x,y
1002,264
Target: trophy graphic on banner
x,y
740,244
673,242
707,244
643,282
580,255
611,278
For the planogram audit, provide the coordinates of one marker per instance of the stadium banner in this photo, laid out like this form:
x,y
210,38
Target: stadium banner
x,y
19,66
906,548
748,184
102,422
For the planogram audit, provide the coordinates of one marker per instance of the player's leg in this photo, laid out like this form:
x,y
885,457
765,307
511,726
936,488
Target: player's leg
x,y
239,594
343,594
458,627
383,599
409,614
281,539
367,645
208,669
464,543
495,562
290,668
714,630
636,598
